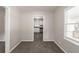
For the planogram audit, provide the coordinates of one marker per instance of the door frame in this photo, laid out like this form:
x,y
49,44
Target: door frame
x,y
33,24
7,29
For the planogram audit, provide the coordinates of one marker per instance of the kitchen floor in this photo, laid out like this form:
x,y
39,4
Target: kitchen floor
x,y
38,46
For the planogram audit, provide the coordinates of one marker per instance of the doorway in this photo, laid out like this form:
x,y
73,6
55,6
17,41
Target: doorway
x,y
38,28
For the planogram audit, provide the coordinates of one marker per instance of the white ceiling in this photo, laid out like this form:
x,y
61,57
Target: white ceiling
x,y
36,8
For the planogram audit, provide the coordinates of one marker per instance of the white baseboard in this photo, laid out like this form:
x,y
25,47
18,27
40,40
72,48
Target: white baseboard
x,y
48,40
15,46
27,40
2,40
60,47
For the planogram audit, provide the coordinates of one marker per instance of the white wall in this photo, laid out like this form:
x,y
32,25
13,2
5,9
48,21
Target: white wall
x,y
2,23
28,25
14,27
59,32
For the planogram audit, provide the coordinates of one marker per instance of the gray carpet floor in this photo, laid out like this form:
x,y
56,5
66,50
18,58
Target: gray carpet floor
x,y
38,46
2,47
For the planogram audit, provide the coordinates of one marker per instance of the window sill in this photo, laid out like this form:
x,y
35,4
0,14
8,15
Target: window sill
x,y
72,40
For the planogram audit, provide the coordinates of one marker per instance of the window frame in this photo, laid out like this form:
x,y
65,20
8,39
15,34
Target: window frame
x,y
65,27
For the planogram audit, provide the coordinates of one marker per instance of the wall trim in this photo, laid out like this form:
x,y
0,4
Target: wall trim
x,y
61,47
27,40
33,40
14,47
2,40
49,40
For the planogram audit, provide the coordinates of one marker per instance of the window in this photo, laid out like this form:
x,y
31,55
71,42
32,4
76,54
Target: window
x,y
72,23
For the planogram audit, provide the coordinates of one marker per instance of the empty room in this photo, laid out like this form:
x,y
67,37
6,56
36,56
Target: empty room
x,y
42,29
36,25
